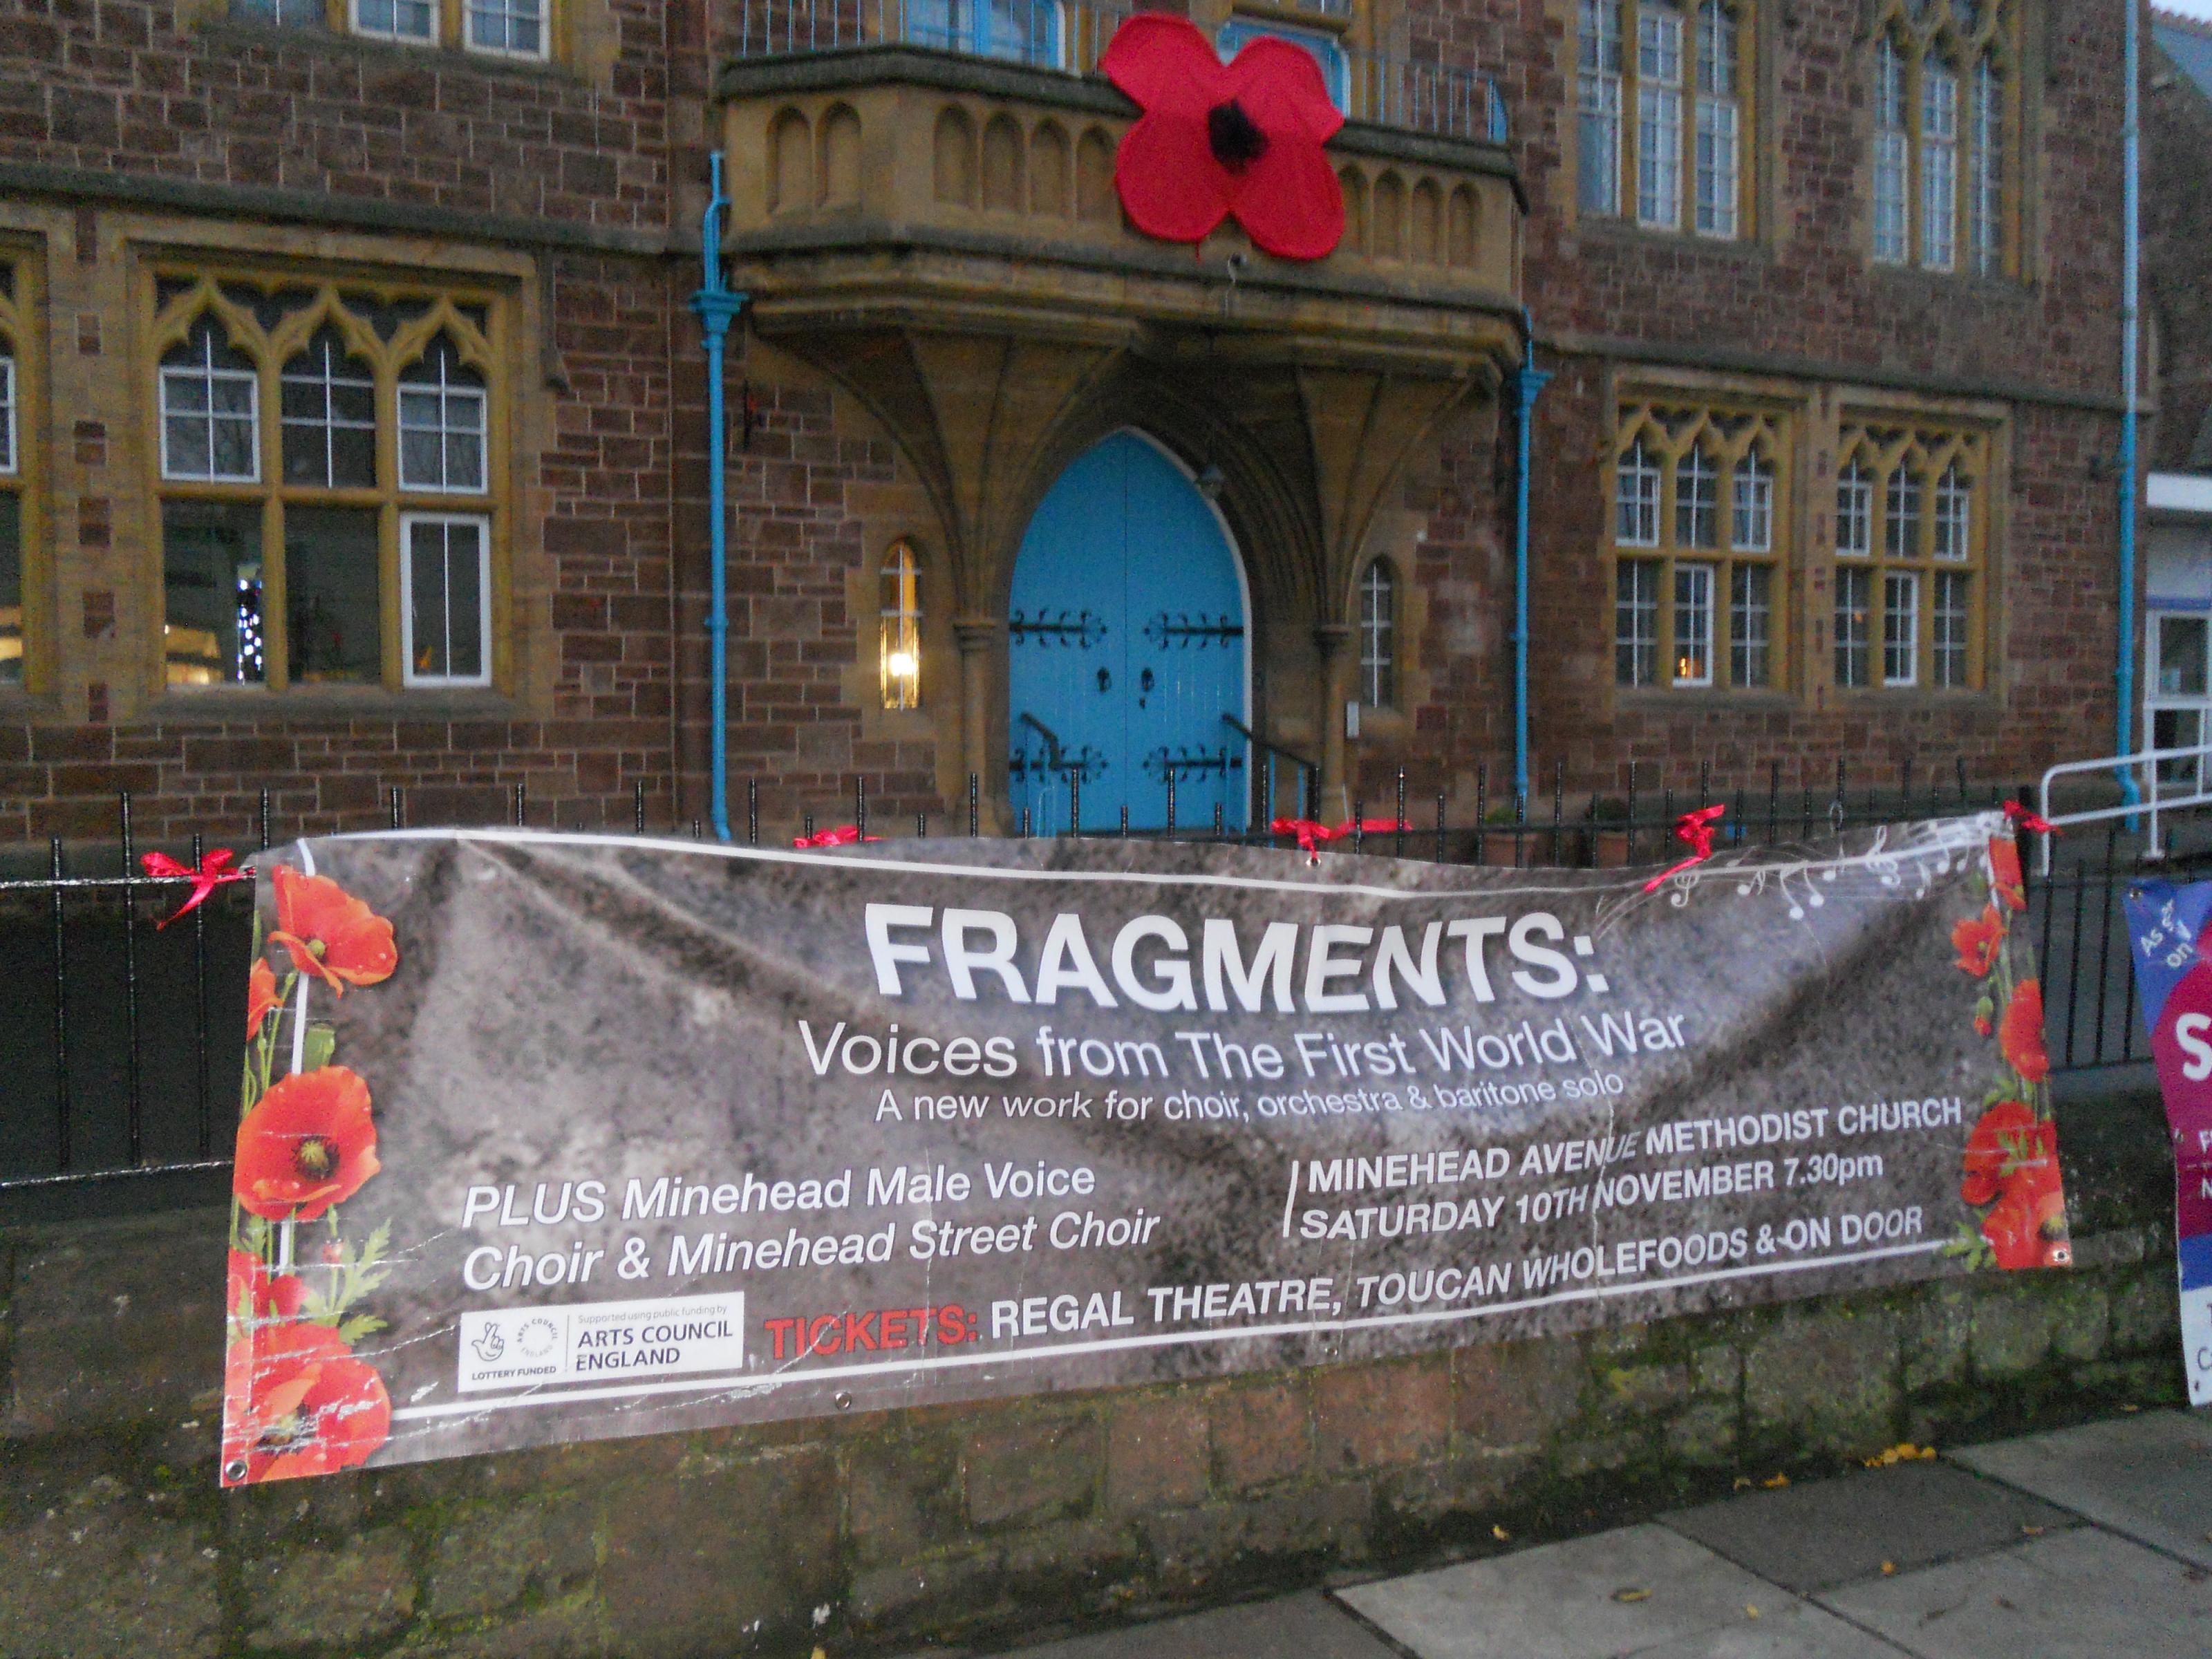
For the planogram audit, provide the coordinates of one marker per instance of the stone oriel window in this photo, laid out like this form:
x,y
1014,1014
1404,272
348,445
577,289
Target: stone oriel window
x,y
898,628
1664,100
17,340
330,505
1912,555
1696,548
1378,636
1947,120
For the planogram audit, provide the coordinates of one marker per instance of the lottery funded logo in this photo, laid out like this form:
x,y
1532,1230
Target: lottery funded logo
x,y
597,1341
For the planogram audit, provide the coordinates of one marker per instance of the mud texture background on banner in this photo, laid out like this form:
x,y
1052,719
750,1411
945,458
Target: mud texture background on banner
x,y
2173,985
557,1137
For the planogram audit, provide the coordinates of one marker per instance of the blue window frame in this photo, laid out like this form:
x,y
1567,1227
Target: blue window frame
x,y
1020,31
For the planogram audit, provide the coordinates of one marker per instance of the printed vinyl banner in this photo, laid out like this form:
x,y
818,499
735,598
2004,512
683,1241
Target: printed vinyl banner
x,y
552,1137
2174,982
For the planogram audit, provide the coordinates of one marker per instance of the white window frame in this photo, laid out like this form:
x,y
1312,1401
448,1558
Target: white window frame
x,y
408,676
1986,190
1900,530
1954,517
1378,636
10,446
1641,611
507,11
2191,706
1854,510
1892,171
1718,152
1637,484
1659,32
1854,637
1945,621
1598,104
356,27
207,374
324,377
1751,525
1744,638
1939,164
1698,574
1907,638
1696,486
446,392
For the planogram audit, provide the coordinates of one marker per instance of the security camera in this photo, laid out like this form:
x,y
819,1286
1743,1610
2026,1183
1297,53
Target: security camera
x,y
1237,262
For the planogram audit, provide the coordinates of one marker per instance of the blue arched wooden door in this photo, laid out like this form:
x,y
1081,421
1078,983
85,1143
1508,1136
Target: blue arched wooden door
x,y
1126,637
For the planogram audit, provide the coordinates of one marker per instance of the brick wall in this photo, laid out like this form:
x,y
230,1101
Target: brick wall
x,y
165,89
880,1533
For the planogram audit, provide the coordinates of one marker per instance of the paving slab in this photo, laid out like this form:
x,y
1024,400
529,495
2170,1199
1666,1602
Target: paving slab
x,y
2147,1476
2084,1594
1308,1627
1827,1533
1561,1602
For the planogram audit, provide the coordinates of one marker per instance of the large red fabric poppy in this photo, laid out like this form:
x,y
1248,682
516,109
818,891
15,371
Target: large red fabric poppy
x,y
1216,139
332,934
306,1144
297,1402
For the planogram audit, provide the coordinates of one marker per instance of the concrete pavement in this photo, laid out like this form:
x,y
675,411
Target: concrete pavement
x,y
2095,1541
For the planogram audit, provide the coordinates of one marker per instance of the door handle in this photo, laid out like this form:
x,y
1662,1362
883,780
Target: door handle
x,y
1105,681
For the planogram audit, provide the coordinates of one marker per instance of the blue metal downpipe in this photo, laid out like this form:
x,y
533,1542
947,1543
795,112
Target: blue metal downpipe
x,y
717,305
2131,238
1529,380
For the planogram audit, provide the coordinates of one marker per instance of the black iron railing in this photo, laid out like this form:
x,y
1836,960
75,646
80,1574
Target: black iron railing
x,y
125,1035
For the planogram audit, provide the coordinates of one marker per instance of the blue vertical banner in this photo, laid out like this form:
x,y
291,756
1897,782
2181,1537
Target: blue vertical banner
x,y
2173,982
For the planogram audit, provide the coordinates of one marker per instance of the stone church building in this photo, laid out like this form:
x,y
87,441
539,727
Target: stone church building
x,y
355,414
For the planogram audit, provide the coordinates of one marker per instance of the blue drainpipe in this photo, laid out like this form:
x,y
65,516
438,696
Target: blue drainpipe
x,y
1528,382
2131,212
717,305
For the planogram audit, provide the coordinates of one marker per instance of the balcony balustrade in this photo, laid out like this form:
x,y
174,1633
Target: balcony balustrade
x,y
1377,88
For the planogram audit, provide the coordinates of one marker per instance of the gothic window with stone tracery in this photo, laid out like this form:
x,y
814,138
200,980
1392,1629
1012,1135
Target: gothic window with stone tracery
x,y
1946,121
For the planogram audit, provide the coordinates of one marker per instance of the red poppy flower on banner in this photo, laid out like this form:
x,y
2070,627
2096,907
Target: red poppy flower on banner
x,y
1977,939
260,997
2022,1034
1216,139
2026,1228
260,1293
1998,1140
2006,883
306,1144
332,934
297,1402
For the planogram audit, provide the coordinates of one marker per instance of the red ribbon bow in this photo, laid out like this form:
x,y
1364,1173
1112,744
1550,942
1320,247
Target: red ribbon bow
x,y
2024,819
843,836
1695,828
214,871
1311,834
